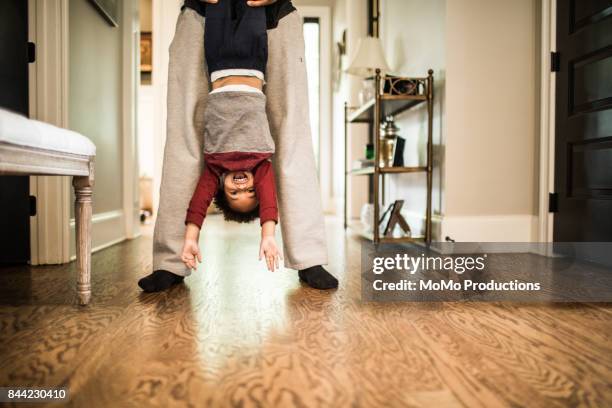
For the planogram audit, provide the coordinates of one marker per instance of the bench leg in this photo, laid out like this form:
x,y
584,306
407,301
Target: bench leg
x,y
83,189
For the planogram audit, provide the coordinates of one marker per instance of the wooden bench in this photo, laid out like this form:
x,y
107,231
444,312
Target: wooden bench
x,y
29,148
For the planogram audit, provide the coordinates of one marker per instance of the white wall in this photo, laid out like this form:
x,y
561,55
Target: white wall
x,y
492,119
356,21
413,36
96,110
485,60
340,84
95,96
146,15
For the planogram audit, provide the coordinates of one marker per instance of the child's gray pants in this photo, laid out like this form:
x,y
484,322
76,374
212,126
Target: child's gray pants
x,y
301,215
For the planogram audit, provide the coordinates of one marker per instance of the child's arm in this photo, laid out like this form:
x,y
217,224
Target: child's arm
x,y
191,250
201,199
268,214
268,248
265,188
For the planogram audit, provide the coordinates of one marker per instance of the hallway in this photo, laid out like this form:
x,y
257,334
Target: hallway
x,y
237,335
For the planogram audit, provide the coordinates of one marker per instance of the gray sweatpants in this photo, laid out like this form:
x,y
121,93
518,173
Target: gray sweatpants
x,y
301,215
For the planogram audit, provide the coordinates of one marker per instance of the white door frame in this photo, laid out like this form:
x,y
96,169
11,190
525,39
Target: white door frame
x,y
164,14
131,81
547,120
48,94
52,229
323,13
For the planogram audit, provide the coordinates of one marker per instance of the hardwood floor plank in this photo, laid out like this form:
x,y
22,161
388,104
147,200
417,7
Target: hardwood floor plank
x,y
237,335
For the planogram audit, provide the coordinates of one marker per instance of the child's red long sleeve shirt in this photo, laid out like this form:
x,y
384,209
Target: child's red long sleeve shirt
x,y
236,138
218,163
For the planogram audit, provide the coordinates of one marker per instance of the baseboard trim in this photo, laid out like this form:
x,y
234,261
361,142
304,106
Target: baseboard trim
x,y
101,217
416,220
490,228
101,247
477,228
108,228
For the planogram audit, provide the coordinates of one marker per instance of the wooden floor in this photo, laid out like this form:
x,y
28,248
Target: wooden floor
x,y
236,335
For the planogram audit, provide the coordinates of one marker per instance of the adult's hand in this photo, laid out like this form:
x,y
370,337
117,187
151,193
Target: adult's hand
x,y
259,3
252,3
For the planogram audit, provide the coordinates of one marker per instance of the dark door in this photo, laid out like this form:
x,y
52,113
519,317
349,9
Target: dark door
x,y
583,145
14,191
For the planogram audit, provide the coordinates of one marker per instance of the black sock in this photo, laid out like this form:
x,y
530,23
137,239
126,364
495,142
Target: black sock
x,y
159,280
317,277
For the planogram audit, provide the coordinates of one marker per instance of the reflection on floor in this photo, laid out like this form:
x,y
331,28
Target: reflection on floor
x,y
236,335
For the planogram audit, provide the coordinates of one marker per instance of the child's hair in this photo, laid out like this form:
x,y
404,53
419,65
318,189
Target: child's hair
x,y
231,215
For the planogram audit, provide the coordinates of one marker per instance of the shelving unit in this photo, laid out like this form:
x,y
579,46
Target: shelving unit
x,y
372,112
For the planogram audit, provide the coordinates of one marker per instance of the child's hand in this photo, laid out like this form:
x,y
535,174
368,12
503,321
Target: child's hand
x,y
270,251
191,254
191,250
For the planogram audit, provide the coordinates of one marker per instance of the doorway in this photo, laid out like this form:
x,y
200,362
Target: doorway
x,y
317,47
312,51
146,109
14,190
583,122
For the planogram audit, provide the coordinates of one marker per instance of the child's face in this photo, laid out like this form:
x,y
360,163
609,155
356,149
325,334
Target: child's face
x,y
239,191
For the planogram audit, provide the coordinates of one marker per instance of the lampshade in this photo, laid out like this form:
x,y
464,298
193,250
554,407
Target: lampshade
x,y
368,58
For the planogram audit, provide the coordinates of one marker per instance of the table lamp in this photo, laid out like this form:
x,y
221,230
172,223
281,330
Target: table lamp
x,y
367,59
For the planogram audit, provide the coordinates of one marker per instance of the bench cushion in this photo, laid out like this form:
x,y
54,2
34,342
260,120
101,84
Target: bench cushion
x,y
21,131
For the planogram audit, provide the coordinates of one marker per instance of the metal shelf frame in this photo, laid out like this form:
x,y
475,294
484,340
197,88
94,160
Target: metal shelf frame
x,y
372,112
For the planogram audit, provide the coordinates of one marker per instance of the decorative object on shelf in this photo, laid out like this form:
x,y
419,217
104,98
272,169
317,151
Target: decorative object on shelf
x,y
398,155
396,218
109,9
388,135
367,91
394,85
369,153
368,58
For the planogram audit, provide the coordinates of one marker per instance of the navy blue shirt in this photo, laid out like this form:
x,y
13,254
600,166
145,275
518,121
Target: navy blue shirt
x,y
274,12
235,36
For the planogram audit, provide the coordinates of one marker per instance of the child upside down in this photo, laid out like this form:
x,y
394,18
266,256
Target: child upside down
x,y
237,175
